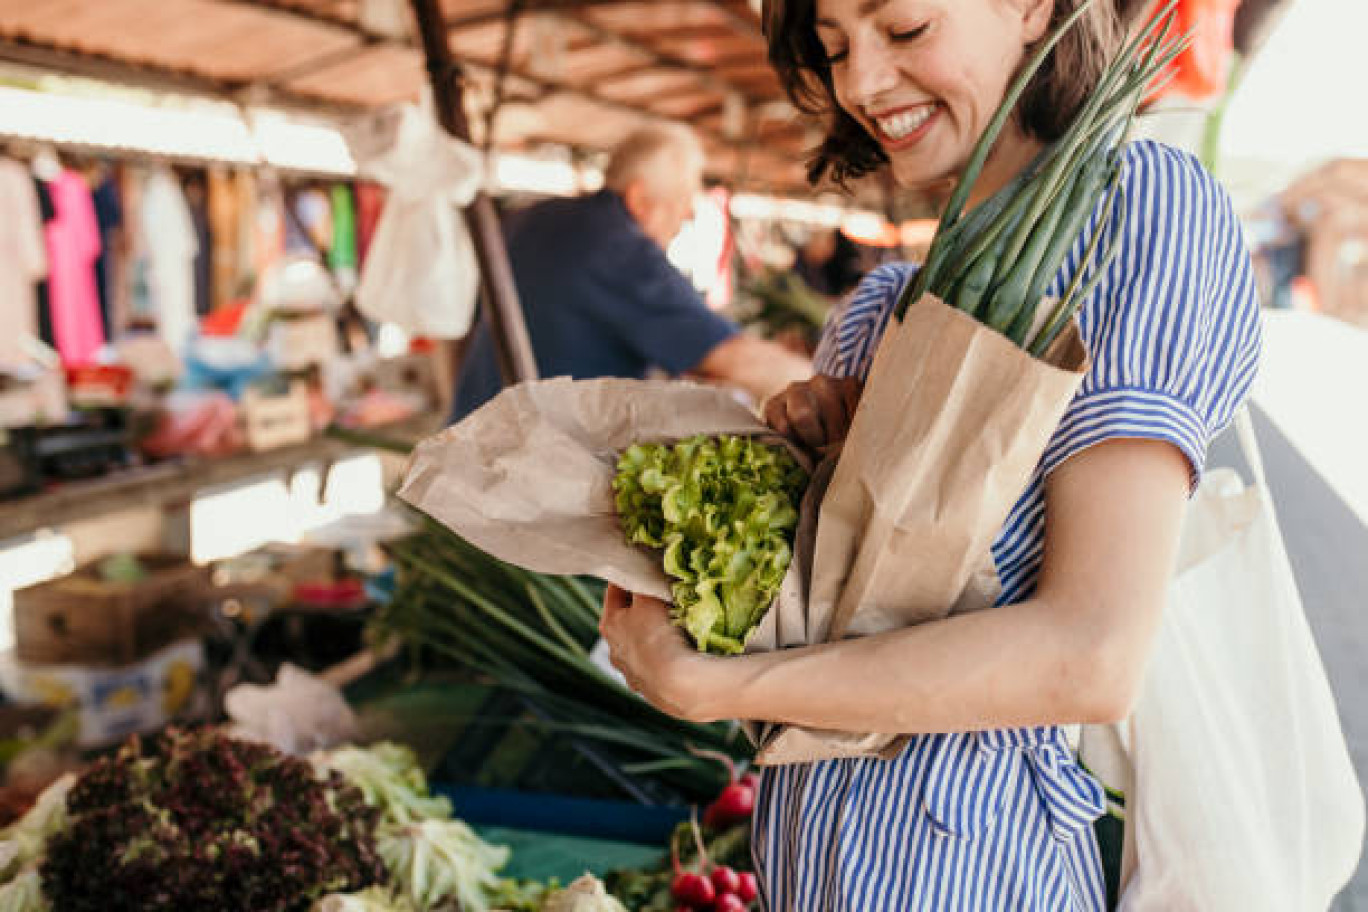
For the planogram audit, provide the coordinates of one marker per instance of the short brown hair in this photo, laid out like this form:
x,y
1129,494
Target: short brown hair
x,y
1052,99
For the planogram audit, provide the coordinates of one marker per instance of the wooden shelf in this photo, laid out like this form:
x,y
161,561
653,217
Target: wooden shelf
x,y
168,484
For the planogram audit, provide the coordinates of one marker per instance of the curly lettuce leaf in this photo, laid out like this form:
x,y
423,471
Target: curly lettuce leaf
x,y
723,510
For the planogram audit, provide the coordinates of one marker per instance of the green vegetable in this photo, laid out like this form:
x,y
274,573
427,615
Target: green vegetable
x,y
391,780
777,301
530,634
724,511
24,893
24,842
372,899
437,862
996,261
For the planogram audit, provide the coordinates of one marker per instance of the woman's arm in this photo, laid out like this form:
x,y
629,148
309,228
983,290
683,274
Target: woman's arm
x,y
1075,652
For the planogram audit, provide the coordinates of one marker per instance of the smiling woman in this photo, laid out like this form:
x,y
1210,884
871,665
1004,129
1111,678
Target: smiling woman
x,y
810,46
986,807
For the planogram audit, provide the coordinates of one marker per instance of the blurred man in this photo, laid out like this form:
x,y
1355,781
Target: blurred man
x,y
599,295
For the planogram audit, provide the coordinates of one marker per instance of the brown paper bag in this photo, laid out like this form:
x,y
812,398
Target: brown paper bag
x,y
951,425
528,478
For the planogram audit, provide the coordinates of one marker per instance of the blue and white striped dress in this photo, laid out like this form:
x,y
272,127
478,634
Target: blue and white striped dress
x,y
1001,820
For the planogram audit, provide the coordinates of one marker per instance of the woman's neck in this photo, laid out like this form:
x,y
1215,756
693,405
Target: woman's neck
x,y
1012,153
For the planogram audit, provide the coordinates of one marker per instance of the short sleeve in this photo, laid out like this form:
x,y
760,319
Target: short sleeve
x,y
656,311
1173,330
855,327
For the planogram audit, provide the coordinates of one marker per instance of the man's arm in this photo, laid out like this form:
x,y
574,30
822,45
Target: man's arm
x,y
758,366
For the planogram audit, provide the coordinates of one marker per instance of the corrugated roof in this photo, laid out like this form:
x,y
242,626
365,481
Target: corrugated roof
x,y
580,73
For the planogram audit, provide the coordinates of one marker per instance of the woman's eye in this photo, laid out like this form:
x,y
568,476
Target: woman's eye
x,y
902,36
834,57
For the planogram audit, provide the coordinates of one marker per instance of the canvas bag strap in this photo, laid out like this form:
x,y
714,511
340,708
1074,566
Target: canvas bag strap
x,y
1249,446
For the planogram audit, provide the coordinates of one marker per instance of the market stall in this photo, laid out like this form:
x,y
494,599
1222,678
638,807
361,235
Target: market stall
x,y
195,196
239,343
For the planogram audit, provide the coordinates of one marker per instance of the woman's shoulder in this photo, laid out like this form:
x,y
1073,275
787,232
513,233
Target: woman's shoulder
x,y
1168,189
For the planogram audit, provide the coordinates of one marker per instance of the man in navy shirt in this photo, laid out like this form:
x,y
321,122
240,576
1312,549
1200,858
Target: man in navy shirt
x,y
600,297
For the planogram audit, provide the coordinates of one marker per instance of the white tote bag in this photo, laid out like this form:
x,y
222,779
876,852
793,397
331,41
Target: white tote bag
x,y
1241,795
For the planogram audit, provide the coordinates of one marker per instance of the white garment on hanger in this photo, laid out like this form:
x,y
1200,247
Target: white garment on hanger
x,y
23,259
168,239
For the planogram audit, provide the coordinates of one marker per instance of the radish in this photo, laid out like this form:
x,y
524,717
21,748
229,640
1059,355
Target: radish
x,y
691,889
747,888
736,802
729,902
726,880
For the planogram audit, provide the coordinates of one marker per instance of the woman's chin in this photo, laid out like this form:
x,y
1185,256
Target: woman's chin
x,y
923,172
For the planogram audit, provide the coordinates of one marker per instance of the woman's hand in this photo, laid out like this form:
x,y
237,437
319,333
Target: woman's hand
x,y
657,660
816,413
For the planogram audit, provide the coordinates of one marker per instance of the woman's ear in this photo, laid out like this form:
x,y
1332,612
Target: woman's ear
x,y
1035,19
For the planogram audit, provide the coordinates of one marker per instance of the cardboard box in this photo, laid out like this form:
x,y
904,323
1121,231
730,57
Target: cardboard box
x,y
116,702
277,421
81,618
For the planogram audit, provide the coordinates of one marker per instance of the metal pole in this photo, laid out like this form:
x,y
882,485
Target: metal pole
x,y
502,310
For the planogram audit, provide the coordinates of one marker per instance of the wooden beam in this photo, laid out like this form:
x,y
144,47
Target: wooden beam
x,y
502,311
661,58
99,67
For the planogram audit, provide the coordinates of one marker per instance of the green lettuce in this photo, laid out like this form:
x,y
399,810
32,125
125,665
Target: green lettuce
x,y
724,510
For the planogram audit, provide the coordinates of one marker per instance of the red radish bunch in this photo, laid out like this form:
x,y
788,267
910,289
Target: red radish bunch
x,y
723,889
736,802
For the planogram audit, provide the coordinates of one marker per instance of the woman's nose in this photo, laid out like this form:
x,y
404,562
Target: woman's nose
x,y
870,72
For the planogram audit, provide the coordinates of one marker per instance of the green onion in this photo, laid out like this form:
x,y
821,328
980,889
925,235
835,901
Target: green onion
x,y
995,262
530,634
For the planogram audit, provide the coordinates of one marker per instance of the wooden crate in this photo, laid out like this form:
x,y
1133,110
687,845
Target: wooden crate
x,y
276,421
81,618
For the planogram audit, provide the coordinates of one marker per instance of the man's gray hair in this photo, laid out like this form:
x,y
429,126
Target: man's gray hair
x,y
659,154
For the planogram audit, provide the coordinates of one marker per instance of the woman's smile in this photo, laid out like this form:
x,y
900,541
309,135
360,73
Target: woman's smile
x,y
901,128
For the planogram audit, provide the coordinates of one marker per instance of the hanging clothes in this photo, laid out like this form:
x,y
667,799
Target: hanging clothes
x,y
42,290
73,244
370,202
23,258
311,228
196,191
225,206
249,204
268,225
170,245
342,254
109,216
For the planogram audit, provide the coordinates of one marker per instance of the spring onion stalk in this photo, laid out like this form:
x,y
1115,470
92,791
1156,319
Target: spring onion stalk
x,y
996,261
530,634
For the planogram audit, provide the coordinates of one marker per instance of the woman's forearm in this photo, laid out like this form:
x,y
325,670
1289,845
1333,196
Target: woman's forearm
x,y
998,668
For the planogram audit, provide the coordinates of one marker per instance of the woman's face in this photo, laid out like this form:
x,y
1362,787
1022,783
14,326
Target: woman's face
x,y
924,77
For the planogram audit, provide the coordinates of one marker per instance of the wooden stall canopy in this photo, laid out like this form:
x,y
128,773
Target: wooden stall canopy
x,y
576,73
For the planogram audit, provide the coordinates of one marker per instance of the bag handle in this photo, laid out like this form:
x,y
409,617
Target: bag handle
x,y
1249,445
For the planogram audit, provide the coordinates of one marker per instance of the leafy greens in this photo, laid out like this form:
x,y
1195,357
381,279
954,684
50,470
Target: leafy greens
x,y
724,510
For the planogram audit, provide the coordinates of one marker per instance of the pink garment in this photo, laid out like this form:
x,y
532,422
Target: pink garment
x,y
73,244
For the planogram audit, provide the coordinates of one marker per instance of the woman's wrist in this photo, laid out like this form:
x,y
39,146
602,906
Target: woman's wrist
x,y
715,688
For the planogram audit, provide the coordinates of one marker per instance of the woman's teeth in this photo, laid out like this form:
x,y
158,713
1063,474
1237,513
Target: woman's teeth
x,y
904,122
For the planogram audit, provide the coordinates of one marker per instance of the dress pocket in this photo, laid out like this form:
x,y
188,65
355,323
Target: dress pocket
x,y
966,785
970,776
